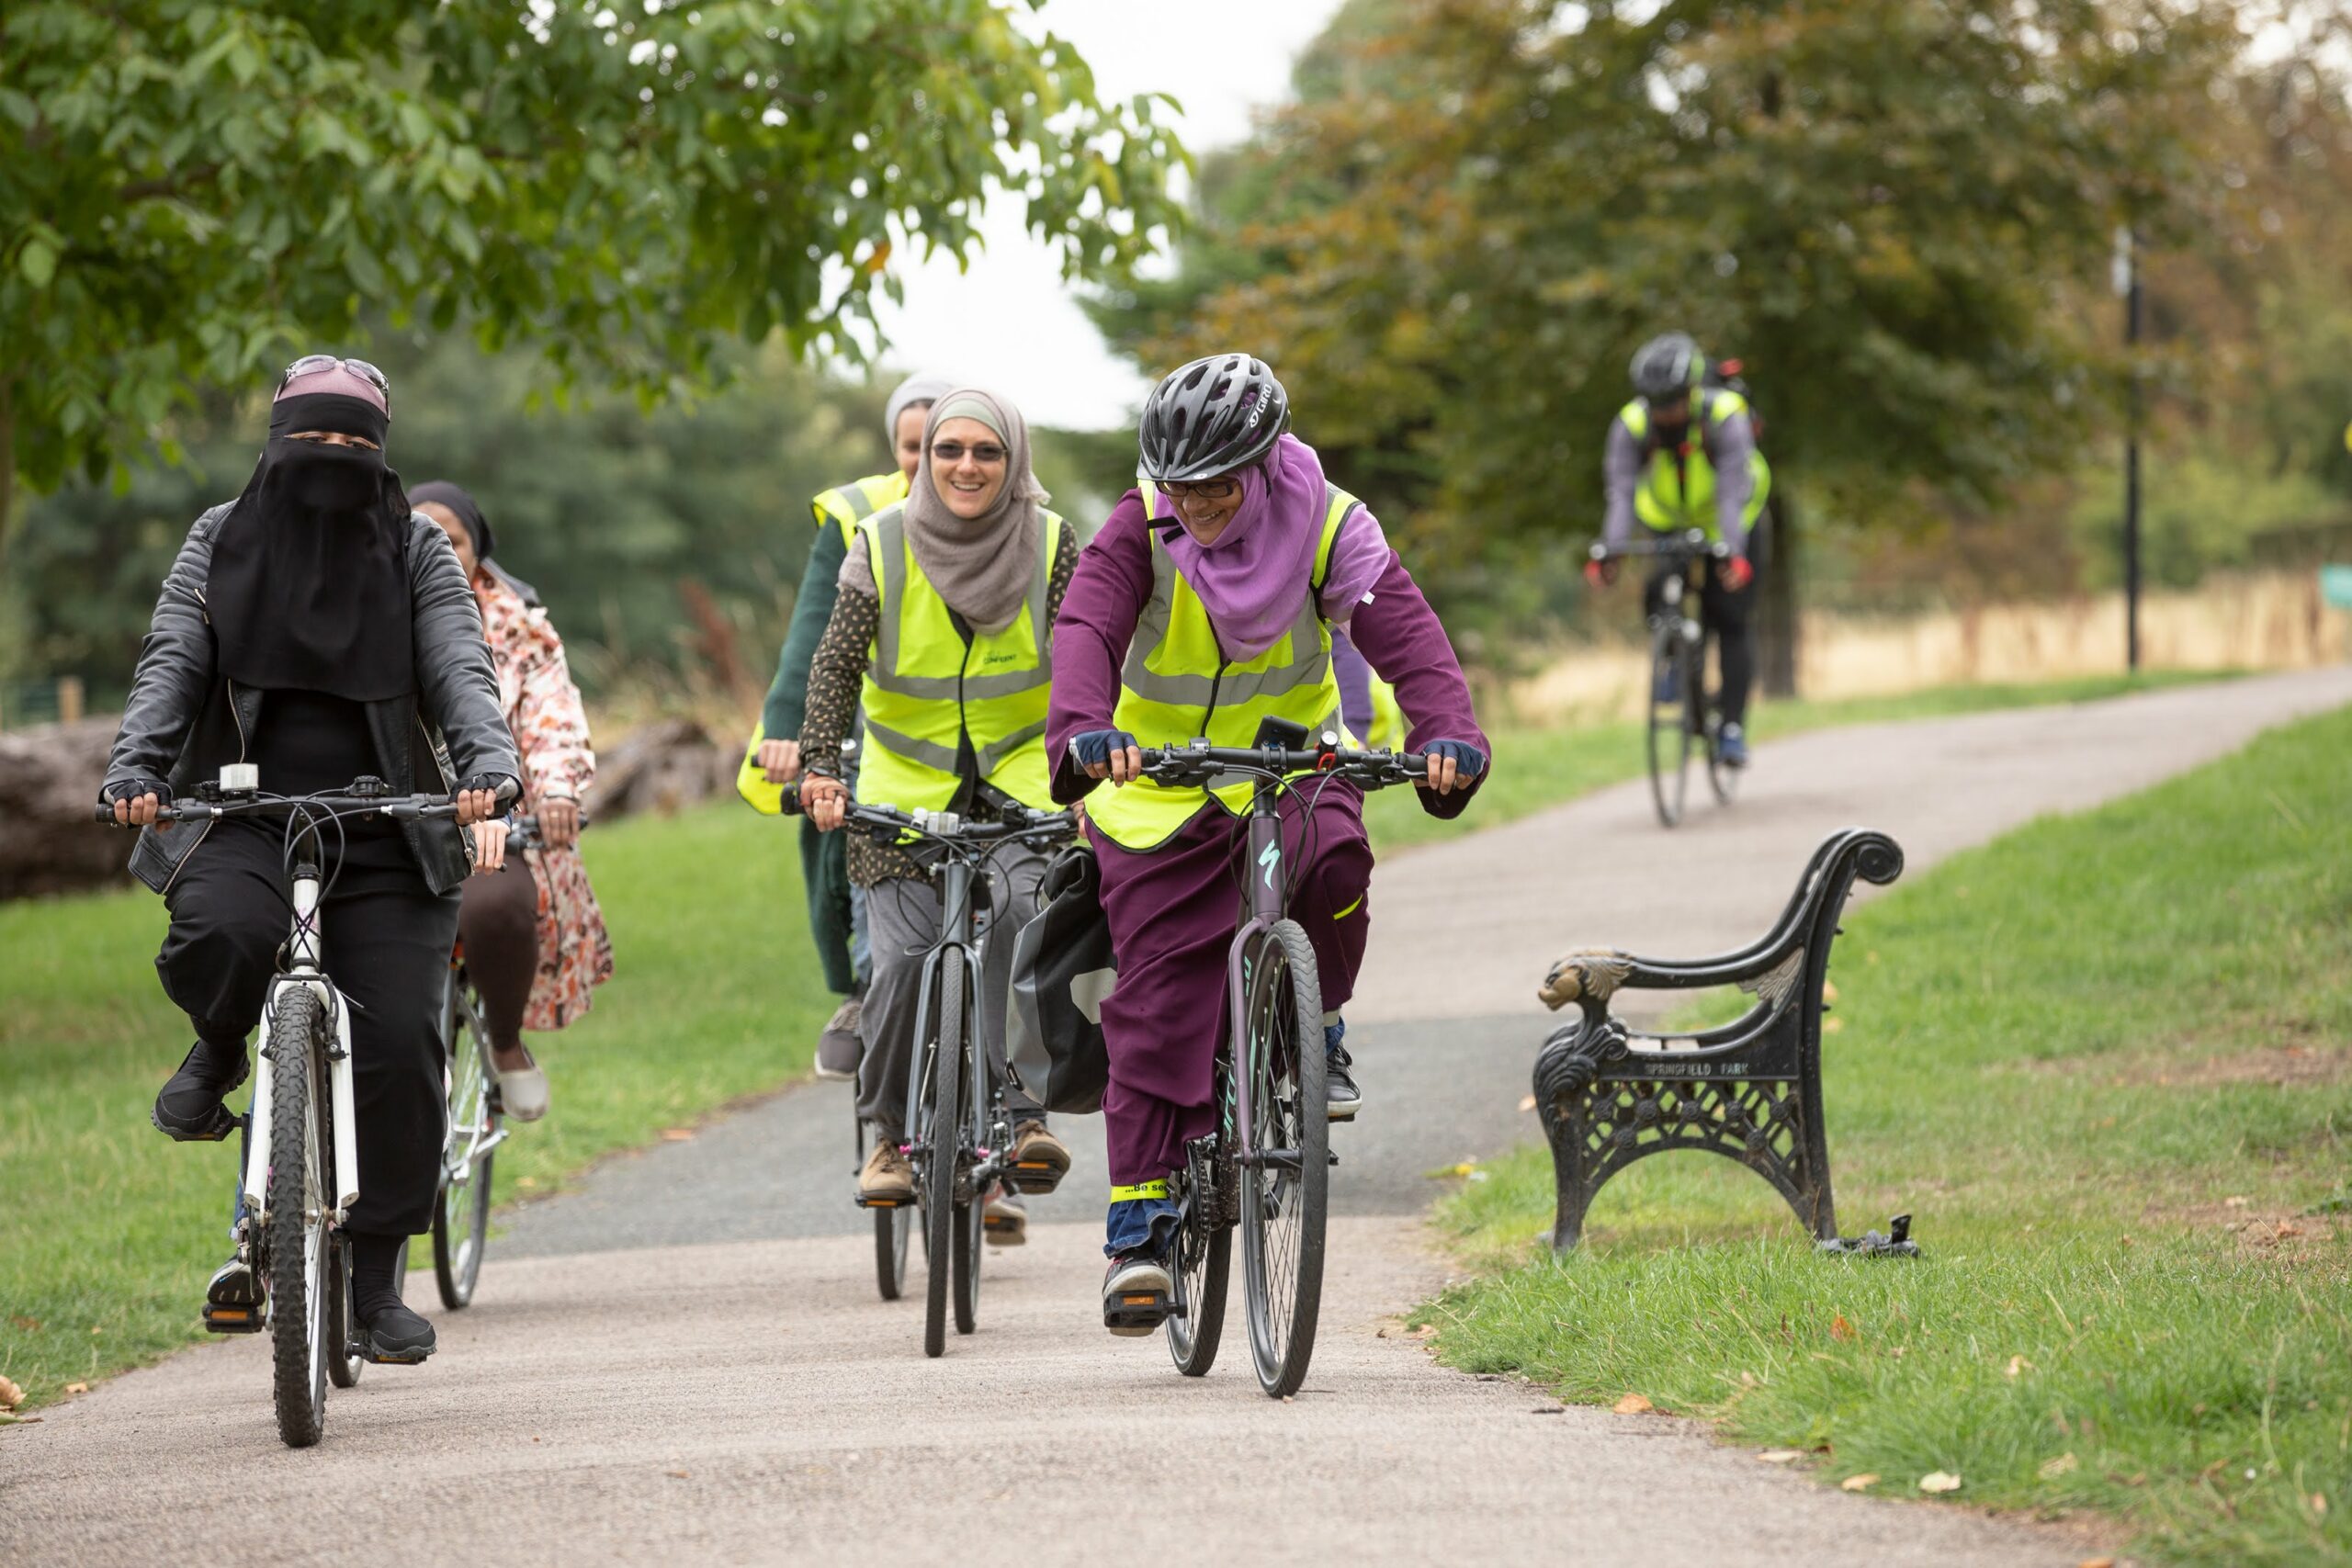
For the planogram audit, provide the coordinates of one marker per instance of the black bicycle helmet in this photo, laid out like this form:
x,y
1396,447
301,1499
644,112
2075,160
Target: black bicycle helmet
x,y
1668,367
1211,417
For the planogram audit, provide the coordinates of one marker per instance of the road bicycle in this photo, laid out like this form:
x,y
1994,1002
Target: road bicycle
x,y
1683,712
958,1127
1266,1166
301,1163
475,1123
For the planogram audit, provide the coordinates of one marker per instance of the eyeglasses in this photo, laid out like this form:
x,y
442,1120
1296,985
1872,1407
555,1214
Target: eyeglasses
x,y
1202,490
953,452
310,364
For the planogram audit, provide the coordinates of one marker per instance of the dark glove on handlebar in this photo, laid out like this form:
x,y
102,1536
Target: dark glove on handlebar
x,y
1468,760
1092,747
504,785
131,789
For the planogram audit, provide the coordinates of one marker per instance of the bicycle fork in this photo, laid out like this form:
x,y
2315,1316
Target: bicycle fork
x,y
302,969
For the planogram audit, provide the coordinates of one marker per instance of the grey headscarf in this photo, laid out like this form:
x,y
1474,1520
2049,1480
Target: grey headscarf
x,y
922,387
981,565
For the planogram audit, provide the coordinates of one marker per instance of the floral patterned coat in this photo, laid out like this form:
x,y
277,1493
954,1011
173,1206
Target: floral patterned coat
x,y
551,728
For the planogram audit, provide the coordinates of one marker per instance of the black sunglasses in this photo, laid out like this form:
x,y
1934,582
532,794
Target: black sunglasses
x,y
312,363
953,452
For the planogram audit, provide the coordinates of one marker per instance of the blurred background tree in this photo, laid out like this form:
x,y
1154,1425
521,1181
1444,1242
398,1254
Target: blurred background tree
x,y
1898,213
192,193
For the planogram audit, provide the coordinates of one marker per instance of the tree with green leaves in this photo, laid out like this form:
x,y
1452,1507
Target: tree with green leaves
x,y
191,192
1894,211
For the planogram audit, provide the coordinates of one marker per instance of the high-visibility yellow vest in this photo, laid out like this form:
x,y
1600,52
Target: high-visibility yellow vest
x,y
1388,726
927,689
1177,686
845,506
1672,497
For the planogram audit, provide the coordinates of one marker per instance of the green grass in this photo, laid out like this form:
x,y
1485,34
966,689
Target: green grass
x,y
1541,767
2064,1052
109,1230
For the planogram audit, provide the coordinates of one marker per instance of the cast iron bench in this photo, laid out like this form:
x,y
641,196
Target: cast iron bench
x,y
1750,1090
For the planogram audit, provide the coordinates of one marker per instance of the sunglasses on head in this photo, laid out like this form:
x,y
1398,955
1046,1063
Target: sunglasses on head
x,y
953,452
311,364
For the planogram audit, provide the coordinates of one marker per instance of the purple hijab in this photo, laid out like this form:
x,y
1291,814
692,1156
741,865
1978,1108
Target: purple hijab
x,y
1251,580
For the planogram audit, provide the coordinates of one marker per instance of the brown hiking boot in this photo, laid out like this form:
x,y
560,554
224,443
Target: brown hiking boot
x,y
1040,1160
888,1179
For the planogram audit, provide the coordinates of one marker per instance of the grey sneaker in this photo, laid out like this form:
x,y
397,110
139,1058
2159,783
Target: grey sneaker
x,y
838,1050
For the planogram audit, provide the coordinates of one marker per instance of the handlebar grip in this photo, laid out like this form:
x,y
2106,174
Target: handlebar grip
x,y
788,799
104,813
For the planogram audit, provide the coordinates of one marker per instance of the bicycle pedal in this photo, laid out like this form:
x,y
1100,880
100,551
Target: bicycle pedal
x,y
233,1319
366,1351
865,1202
1033,1175
1131,1315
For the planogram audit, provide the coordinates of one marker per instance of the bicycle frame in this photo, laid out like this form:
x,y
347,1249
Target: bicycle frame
x,y
960,932
1269,896
458,1010
302,969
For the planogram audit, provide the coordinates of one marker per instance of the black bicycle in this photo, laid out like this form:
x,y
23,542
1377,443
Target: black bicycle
x,y
958,1127
1266,1167
301,1163
1683,712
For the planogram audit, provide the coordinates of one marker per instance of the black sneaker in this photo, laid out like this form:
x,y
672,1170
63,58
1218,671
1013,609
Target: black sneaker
x,y
397,1337
839,1049
1340,1094
189,1108
1135,1294
232,1299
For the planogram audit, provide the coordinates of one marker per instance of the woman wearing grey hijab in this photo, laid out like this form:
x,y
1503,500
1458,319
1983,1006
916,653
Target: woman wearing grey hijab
x,y
968,573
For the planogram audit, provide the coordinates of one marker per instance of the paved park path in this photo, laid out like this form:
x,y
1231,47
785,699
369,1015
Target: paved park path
x,y
685,1360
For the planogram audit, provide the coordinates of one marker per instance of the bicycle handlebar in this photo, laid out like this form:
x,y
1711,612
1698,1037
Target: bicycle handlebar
x,y
1689,542
947,827
360,801
1190,765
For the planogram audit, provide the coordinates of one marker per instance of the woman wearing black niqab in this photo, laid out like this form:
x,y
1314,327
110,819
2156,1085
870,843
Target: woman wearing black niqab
x,y
315,627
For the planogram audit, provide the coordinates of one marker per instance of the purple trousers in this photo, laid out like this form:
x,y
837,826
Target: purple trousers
x,y
1173,911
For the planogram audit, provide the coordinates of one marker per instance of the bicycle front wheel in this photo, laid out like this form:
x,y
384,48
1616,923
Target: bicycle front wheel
x,y
297,1200
1669,731
461,1217
971,1214
943,1122
892,1228
1286,1175
1203,1263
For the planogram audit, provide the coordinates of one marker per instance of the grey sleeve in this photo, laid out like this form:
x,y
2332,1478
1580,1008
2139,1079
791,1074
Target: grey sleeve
x,y
174,669
457,687
1620,469
1731,442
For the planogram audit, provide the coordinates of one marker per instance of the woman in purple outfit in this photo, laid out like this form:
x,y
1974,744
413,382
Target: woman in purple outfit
x,y
1205,606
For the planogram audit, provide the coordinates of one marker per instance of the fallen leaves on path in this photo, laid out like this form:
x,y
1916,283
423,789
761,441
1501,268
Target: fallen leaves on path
x,y
1858,1484
1781,1456
2018,1364
10,1394
677,1134
1940,1481
77,1388
1633,1404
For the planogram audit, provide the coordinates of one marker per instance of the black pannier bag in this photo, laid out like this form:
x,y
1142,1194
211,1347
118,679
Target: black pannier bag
x,y
1062,968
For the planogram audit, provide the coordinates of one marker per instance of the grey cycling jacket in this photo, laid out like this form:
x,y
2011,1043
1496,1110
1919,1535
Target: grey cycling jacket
x,y
184,719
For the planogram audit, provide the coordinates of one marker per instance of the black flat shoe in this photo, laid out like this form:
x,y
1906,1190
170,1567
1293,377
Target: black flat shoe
x,y
397,1337
188,1110
232,1299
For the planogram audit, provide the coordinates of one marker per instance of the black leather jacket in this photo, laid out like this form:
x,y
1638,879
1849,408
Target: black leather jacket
x,y
184,719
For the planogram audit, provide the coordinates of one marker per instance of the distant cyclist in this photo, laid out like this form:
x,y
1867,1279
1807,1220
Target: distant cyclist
x,y
1682,455
941,639
318,628
836,904
1211,601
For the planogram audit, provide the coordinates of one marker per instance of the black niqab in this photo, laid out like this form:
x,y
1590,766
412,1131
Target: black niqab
x,y
309,589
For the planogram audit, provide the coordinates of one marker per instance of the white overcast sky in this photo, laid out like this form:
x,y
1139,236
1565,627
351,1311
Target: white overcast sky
x,y
1010,321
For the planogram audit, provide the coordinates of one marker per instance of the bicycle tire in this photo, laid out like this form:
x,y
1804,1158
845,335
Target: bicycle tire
x,y
296,1203
1669,726
893,1227
971,1215
944,1131
461,1207
1282,1042
1203,1268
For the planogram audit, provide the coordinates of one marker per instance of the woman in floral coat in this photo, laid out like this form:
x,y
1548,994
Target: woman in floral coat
x,y
536,945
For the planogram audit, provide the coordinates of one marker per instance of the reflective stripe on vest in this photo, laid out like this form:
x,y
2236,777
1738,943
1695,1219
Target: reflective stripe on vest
x,y
1666,499
846,506
1176,686
926,688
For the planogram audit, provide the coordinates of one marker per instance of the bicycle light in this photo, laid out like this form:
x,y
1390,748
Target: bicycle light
x,y
240,778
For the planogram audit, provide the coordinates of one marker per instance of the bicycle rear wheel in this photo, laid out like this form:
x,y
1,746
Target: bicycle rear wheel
x,y
1286,1175
971,1214
892,1228
942,1123
461,1217
296,1199
1670,727
345,1361
1203,1265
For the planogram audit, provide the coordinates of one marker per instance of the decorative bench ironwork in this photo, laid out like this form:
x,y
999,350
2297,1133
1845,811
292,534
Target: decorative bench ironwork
x,y
1750,1090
